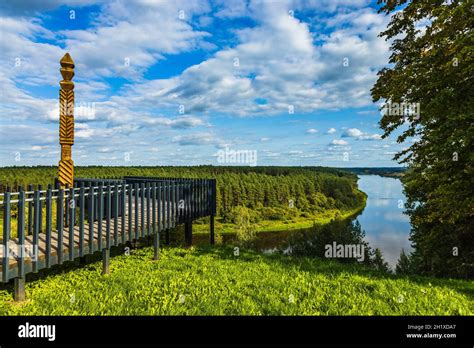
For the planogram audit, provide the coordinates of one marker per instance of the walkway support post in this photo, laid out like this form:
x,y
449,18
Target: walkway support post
x,y
156,220
212,238
19,289
19,282
213,202
66,122
188,232
105,261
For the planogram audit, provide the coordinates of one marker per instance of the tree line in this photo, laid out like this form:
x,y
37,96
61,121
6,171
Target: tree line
x,y
307,189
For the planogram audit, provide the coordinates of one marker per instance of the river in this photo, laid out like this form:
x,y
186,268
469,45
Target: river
x,y
385,225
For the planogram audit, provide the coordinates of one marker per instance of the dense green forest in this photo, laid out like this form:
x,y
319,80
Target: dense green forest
x,y
269,193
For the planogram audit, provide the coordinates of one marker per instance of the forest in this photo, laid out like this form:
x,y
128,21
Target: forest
x,y
265,193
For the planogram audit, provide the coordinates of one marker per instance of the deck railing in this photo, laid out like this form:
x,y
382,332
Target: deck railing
x,y
44,227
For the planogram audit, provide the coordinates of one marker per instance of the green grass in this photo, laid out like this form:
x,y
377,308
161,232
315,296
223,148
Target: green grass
x,y
212,281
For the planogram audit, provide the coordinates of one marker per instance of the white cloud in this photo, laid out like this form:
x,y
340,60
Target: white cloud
x,y
231,8
367,112
124,30
135,36
282,61
17,135
271,154
23,58
312,131
278,62
332,5
370,137
22,7
82,130
352,132
197,139
339,142
179,122
360,135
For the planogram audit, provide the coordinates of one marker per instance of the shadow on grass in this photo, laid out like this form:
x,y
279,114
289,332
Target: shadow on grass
x,y
333,268
312,265
176,239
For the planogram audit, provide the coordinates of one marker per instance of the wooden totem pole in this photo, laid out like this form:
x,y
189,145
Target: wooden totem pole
x,y
66,122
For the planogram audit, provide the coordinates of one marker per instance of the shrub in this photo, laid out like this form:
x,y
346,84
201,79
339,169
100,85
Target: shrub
x,y
246,231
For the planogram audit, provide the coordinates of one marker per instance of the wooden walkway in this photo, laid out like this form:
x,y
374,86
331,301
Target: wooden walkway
x,y
120,236
107,215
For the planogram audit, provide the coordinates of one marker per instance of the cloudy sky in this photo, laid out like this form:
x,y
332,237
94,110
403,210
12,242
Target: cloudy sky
x,y
173,82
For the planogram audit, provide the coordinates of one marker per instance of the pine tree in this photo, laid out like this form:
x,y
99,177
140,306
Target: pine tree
x,y
404,264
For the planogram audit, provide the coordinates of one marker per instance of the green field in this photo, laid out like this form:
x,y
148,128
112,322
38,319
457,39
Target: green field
x,y
213,281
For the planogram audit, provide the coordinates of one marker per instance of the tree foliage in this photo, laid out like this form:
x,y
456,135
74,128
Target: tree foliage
x,y
245,229
432,65
404,264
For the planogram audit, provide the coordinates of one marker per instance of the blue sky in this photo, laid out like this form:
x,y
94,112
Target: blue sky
x,y
175,82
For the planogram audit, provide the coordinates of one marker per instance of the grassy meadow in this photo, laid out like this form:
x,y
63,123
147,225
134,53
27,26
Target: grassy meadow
x,y
215,281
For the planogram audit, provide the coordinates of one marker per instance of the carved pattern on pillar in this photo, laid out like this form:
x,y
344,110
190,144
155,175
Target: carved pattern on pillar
x,y
66,122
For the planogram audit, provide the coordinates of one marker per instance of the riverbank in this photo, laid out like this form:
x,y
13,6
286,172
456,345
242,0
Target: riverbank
x,y
202,227
214,281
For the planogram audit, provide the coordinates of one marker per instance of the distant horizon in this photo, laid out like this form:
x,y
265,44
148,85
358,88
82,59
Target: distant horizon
x,y
210,165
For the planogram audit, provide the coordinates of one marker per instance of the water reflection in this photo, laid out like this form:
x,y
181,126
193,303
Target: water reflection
x,y
312,241
381,225
385,225
315,241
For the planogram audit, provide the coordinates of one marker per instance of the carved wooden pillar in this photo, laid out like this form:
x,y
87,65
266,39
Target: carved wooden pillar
x,y
66,122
